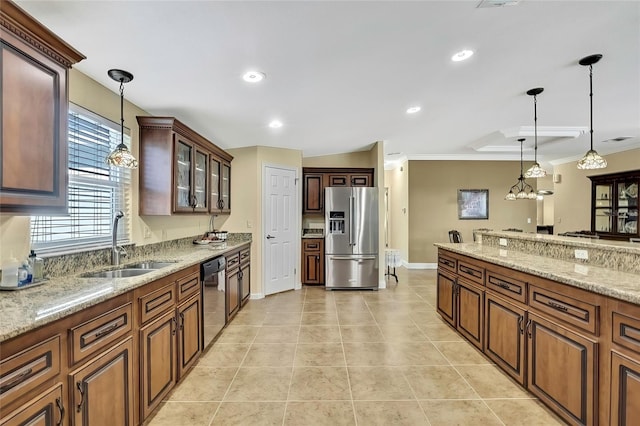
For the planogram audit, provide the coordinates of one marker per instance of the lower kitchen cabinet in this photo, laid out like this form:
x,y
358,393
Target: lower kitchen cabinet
x,y
313,261
46,409
102,389
189,333
245,282
232,293
562,369
504,336
158,361
446,296
238,280
625,390
470,307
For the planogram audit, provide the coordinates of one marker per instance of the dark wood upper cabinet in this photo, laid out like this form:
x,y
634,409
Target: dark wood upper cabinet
x,y
180,170
316,179
35,103
614,205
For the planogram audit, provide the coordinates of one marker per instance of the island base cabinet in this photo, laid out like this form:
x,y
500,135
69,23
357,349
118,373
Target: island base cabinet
x,y
158,361
108,374
446,295
470,311
561,367
46,410
504,336
625,390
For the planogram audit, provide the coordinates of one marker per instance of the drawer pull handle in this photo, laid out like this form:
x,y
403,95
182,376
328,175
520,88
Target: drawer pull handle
x,y
503,285
61,410
106,330
469,271
16,381
81,390
557,306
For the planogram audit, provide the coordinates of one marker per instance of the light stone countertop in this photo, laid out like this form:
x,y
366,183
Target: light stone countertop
x,y
620,285
27,309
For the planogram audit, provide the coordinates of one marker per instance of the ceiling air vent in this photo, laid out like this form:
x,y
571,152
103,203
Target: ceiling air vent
x,y
497,3
618,139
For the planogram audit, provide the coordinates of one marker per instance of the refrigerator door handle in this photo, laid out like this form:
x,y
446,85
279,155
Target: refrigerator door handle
x,y
352,258
351,243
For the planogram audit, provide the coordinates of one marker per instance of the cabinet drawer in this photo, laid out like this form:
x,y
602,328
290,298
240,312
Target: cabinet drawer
x,y
188,286
29,369
470,271
626,331
94,335
573,311
157,302
233,261
506,286
447,262
312,245
245,255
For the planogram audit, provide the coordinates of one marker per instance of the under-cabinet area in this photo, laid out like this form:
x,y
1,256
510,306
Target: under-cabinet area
x,y
113,363
576,350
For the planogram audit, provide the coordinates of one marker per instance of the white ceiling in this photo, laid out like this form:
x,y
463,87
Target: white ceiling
x,y
340,74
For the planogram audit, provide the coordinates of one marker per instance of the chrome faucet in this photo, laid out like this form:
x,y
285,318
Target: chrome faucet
x,y
116,252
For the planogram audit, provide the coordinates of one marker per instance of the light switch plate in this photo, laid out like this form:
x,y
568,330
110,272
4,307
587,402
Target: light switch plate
x,y
582,254
503,242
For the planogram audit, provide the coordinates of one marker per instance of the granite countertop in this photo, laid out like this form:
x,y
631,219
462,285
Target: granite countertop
x,y
609,282
30,308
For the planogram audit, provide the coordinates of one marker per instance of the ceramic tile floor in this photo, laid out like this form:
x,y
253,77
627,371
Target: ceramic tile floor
x,y
312,357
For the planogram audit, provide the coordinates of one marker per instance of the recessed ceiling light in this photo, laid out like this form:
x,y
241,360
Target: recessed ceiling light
x,y
413,109
275,124
462,55
253,76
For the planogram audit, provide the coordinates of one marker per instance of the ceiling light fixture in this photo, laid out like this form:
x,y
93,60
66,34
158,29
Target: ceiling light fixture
x,y
413,109
591,160
521,190
275,124
462,55
121,156
535,171
253,76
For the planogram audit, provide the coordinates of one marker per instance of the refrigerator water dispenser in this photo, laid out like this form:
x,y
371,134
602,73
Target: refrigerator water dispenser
x,y
336,223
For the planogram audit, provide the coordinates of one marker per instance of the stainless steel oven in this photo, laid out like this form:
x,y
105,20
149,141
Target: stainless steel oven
x,y
212,274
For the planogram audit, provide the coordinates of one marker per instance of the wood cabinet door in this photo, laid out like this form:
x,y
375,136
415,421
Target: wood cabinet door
x,y
311,268
189,333
200,181
48,409
157,361
360,180
313,193
232,293
625,390
215,166
446,295
562,369
102,390
245,284
225,188
183,175
470,311
504,340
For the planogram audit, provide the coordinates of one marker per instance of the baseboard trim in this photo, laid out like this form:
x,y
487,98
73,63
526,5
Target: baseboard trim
x,y
421,265
256,296
382,284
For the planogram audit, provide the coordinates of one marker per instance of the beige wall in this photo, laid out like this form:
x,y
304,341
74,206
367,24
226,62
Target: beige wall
x,y
352,159
377,161
433,209
572,197
397,181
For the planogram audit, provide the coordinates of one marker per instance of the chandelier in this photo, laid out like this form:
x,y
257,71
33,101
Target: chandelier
x,y
521,190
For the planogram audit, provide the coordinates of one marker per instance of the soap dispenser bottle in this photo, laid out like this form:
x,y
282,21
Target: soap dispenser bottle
x,y
37,266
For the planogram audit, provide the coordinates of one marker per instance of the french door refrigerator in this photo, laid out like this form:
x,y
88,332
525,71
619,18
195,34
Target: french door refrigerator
x,y
351,242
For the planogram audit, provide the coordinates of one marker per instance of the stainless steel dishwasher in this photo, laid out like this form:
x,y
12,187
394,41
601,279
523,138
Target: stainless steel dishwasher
x,y
212,274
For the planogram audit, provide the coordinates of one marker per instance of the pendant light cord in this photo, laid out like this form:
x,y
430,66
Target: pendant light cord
x,y
535,127
121,112
591,102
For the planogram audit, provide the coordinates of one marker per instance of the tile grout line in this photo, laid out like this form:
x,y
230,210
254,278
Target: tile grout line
x,y
346,366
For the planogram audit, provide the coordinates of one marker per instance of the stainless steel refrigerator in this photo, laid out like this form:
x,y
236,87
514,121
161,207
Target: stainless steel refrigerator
x,y
351,242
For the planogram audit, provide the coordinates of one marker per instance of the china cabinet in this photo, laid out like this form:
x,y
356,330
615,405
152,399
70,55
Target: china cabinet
x,y
614,205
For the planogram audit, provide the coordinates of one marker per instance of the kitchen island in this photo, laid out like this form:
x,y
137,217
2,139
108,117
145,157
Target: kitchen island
x,y
566,330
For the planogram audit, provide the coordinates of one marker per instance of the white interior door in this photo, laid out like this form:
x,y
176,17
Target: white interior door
x,y
280,228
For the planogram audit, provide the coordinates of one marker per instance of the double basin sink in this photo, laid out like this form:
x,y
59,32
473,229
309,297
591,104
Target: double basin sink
x,y
129,270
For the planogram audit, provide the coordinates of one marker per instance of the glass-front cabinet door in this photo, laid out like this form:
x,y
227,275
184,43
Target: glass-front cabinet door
x,y
182,179
627,214
603,211
215,184
225,187
200,174
614,205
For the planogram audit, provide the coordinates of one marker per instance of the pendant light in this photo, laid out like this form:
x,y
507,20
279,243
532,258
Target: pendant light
x,y
591,160
535,171
121,156
521,190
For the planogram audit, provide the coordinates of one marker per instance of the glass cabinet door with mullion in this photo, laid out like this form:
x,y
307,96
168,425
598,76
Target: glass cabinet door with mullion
x,y
627,212
215,185
603,208
182,179
200,175
225,187
614,206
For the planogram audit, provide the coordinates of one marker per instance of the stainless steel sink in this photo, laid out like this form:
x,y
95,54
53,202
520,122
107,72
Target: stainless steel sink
x,y
118,273
149,265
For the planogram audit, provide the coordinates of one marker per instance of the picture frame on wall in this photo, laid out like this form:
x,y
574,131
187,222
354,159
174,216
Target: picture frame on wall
x,y
473,204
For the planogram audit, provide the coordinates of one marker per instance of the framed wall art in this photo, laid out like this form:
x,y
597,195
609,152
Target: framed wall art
x,y
473,204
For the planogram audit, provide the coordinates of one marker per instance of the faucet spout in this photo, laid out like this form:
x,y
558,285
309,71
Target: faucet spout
x,y
115,250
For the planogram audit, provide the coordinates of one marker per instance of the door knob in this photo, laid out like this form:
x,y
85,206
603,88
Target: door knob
x,y
270,237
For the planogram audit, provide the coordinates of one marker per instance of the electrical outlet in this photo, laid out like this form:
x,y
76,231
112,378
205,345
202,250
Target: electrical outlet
x,y
503,242
249,224
528,220
582,254
147,232
164,234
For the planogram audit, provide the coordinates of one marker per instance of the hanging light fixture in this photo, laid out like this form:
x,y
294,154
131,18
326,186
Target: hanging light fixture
x,y
521,190
535,171
591,160
121,156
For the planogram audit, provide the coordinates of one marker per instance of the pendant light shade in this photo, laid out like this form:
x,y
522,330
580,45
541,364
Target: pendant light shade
x,y
521,190
591,160
121,156
535,171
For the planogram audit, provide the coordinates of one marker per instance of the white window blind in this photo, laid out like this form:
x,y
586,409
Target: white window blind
x,y
96,191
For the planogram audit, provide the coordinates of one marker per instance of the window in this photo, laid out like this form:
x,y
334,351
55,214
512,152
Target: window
x,y
96,191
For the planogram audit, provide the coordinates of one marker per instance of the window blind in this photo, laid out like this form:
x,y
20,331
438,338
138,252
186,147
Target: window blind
x,y
96,191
